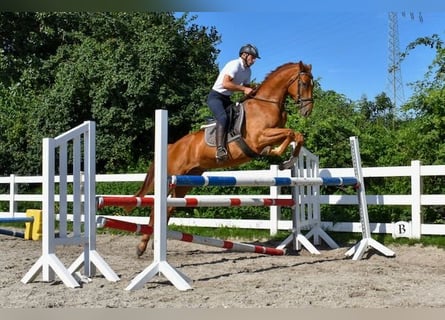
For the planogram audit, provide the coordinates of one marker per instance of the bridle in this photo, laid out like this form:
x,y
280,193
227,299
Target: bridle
x,y
301,102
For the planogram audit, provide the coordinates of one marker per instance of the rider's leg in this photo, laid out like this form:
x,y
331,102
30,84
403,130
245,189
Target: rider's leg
x,y
220,137
217,104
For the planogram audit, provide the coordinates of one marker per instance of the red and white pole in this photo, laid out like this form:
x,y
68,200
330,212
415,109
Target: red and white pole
x,y
186,237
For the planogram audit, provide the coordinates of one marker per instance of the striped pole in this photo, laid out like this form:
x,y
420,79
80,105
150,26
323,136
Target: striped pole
x,y
235,246
193,202
12,233
103,222
124,201
197,181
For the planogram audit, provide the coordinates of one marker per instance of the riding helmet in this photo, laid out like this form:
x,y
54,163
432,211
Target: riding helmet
x,y
250,49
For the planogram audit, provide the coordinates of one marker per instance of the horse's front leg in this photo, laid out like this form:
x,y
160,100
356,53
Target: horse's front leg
x,y
281,138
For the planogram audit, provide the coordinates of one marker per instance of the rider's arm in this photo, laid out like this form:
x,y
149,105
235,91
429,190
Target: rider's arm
x,y
230,85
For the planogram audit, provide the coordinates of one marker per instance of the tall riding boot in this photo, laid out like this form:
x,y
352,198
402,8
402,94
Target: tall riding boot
x,y
220,137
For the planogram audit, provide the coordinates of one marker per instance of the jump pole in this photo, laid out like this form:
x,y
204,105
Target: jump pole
x,y
296,236
193,202
103,222
12,233
160,264
17,219
196,181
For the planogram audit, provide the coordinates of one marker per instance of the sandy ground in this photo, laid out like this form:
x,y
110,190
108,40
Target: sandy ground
x,y
224,279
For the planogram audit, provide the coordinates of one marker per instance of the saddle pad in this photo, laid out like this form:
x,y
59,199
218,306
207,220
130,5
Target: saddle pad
x,y
234,130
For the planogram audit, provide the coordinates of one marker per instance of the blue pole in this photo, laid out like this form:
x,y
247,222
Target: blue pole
x,y
12,220
12,233
339,181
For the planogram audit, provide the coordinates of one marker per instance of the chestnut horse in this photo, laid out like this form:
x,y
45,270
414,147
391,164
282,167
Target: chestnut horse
x,y
263,132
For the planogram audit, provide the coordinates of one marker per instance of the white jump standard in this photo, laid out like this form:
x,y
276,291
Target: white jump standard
x,y
359,249
49,264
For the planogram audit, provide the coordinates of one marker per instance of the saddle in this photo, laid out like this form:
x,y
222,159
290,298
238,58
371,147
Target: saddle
x,y
236,121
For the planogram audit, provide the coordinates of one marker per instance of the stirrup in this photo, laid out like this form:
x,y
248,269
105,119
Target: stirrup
x,y
221,154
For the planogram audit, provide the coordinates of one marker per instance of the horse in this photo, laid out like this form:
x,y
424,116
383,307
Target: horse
x,y
263,134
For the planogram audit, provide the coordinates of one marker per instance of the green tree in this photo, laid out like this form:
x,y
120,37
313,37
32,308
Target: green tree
x,y
425,129
424,132
113,68
328,128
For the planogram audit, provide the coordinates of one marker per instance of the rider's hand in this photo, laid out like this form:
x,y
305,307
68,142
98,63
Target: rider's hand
x,y
247,91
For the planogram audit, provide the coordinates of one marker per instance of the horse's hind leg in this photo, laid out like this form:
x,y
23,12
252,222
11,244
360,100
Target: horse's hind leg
x,y
142,246
146,188
178,192
179,155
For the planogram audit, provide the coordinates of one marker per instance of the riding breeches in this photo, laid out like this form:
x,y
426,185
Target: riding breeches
x,y
218,103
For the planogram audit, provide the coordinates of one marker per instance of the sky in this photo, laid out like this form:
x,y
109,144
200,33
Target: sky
x,y
349,51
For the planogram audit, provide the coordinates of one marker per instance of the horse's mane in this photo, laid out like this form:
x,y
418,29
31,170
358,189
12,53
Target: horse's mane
x,y
279,68
283,66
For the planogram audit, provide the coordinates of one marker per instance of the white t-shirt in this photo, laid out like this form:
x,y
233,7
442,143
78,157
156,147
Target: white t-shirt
x,y
236,70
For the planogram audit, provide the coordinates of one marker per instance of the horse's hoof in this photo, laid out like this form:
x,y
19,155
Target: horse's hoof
x,y
288,164
139,251
285,165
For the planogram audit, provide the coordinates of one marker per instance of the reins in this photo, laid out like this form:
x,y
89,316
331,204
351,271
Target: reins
x,y
265,100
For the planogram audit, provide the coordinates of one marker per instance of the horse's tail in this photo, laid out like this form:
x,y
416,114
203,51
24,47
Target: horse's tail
x,y
146,187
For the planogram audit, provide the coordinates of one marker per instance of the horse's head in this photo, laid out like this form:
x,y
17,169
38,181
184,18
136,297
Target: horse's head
x,y
301,89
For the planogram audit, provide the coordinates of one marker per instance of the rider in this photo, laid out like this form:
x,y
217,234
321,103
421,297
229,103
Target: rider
x,y
235,76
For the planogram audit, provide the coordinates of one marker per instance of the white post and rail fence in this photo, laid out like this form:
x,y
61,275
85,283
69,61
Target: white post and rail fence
x,y
414,228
